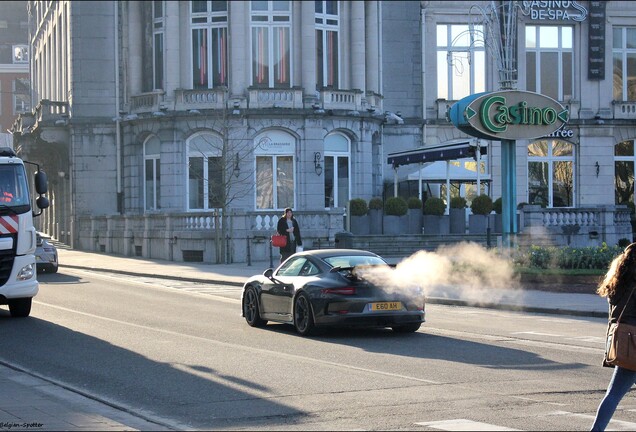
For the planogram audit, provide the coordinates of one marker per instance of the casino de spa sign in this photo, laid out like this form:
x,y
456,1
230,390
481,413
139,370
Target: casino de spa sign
x,y
508,115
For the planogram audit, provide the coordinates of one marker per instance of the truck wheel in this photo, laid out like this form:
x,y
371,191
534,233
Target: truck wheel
x,y
20,307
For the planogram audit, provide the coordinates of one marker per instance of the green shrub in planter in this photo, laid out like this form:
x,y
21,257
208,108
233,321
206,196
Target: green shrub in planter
x,y
482,205
434,206
458,202
395,206
358,207
521,205
414,203
498,205
376,204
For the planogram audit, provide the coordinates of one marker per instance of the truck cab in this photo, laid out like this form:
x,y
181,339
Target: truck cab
x,y
18,275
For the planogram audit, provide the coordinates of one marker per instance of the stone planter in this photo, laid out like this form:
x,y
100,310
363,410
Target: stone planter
x,y
436,225
415,221
498,228
375,221
458,221
477,224
395,225
360,225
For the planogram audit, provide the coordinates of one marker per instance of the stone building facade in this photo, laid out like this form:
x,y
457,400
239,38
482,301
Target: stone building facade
x,y
180,130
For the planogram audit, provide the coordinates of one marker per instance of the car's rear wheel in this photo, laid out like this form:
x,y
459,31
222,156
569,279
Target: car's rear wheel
x,y
20,308
303,315
53,268
407,328
250,308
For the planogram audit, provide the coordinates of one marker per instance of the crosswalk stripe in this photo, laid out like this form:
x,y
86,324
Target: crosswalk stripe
x,y
463,425
618,425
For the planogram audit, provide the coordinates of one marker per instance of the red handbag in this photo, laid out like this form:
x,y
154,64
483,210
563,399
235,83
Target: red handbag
x,y
279,240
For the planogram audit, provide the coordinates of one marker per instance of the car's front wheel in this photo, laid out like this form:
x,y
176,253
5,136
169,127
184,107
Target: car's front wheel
x,y
407,328
20,308
250,308
303,315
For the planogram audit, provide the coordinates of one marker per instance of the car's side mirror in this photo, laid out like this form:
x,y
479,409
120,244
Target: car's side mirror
x,y
268,273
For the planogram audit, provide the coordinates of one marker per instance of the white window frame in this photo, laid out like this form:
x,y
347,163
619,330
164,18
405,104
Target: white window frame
x,y
155,159
274,153
215,151
329,23
623,52
272,19
452,69
158,26
210,21
336,154
632,159
560,50
550,159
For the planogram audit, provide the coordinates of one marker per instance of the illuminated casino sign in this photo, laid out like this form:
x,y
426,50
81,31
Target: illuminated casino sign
x,y
508,115
555,10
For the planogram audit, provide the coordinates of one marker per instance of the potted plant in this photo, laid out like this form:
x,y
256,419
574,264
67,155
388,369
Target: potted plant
x,y
415,215
358,212
458,215
375,215
395,208
435,223
478,221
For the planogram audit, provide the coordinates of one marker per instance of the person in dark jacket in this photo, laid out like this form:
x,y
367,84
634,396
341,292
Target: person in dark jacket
x,y
288,226
617,286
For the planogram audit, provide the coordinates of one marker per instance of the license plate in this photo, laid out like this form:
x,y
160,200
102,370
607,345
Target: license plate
x,y
386,306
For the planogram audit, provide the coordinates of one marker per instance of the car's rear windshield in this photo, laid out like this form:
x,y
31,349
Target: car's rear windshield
x,y
354,260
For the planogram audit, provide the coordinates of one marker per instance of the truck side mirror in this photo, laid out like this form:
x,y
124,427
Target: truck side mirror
x,y
42,202
41,184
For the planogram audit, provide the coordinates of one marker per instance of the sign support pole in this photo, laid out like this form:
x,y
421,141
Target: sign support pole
x,y
508,192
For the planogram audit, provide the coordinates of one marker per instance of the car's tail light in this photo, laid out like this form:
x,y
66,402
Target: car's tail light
x,y
340,291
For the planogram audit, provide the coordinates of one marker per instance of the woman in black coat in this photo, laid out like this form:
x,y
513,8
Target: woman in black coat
x,y
288,226
617,286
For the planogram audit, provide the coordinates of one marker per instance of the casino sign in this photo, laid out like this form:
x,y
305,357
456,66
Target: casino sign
x,y
510,115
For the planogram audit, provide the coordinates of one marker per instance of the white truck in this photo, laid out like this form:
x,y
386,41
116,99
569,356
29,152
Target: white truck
x,y
18,275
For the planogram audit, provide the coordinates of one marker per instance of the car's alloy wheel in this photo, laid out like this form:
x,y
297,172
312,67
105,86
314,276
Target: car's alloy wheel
x,y
20,308
250,308
303,315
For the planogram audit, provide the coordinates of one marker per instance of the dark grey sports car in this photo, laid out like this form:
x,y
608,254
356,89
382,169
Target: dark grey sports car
x,y
325,288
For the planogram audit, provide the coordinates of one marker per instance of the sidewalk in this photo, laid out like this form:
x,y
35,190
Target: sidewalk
x,y
589,305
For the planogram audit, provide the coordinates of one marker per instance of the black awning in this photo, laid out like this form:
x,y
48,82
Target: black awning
x,y
448,151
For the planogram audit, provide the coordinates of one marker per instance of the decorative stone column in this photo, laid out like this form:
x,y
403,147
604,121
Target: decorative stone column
x,y
134,46
239,49
308,52
358,73
372,47
173,64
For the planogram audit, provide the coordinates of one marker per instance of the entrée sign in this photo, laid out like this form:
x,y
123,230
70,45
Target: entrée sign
x,y
508,115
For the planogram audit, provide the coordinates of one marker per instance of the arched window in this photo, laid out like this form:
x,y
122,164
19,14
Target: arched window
x,y
274,151
152,173
205,172
337,168
624,160
551,173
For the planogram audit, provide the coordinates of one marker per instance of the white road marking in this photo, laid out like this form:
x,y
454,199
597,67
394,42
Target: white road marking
x,y
537,333
618,425
463,425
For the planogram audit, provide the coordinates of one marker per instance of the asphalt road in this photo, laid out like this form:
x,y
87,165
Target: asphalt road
x,y
179,354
